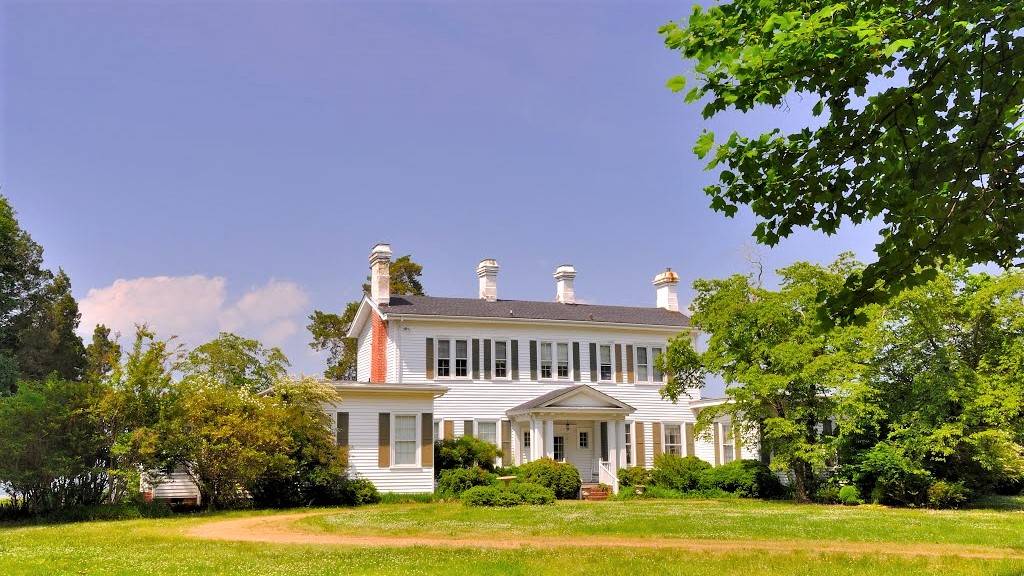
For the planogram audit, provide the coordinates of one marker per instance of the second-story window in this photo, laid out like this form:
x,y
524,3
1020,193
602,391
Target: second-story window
x,y
444,366
500,359
563,360
605,356
554,361
641,364
461,359
655,353
545,360
452,358
646,365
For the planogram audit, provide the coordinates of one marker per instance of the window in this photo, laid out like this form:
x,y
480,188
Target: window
x,y
461,359
526,439
501,359
487,431
641,364
584,439
655,353
605,355
559,442
405,440
443,358
629,444
563,360
728,452
545,360
437,430
673,439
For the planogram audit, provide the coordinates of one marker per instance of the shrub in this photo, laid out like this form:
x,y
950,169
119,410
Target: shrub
x,y
892,478
747,478
678,473
634,476
849,496
561,477
480,496
463,452
942,494
657,492
827,493
408,498
533,493
506,470
454,482
357,492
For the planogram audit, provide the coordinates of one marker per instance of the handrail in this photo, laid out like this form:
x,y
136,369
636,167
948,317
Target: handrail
x,y
606,476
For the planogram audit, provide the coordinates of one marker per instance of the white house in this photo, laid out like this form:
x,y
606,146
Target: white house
x,y
574,382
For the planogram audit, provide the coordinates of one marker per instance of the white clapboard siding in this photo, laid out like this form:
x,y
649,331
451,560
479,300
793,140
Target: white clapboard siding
x,y
364,345
176,485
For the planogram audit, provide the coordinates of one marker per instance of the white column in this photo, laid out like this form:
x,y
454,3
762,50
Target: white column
x,y
549,438
613,445
535,438
620,428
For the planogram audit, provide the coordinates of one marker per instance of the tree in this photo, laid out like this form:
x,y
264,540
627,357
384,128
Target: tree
x,y
102,354
238,362
22,276
48,343
784,370
329,330
923,127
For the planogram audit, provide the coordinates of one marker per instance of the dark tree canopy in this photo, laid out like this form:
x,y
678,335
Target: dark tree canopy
x,y
922,127
102,354
48,344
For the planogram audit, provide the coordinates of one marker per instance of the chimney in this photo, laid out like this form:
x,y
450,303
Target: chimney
x,y
380,274
487,272
564,291
666,284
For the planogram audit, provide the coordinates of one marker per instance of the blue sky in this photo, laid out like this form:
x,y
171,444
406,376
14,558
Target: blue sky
x,y
229,165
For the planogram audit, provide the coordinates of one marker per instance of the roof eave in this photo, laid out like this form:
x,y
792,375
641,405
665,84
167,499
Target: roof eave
x,y
631,326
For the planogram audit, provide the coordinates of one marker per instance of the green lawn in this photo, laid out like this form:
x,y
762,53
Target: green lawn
x,y
160,546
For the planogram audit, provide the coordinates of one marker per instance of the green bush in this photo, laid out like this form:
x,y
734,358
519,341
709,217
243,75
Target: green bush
x,y
454,482
408,498
561,477
634,476
678,472
827,493
657,492
747,478
942,494
480,496
506,470
892,478
357,492
849,496
533,493
463,452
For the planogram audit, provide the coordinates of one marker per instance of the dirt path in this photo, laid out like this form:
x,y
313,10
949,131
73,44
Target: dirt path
x,y
281,529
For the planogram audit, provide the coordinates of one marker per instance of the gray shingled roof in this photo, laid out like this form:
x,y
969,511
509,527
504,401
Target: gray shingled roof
x,y
540,400
479,308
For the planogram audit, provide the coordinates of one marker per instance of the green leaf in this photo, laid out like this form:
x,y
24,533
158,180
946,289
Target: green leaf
x,y
896,46
704,144
676,83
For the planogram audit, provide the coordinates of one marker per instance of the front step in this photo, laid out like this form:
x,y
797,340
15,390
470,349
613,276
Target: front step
x,y
595,492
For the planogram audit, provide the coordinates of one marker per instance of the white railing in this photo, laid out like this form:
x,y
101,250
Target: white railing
x,y
606,476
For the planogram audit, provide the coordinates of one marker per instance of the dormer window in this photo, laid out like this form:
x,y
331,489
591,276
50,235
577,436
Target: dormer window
x,y
605,355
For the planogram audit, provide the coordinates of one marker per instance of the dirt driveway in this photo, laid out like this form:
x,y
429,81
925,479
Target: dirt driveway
x,y
282,529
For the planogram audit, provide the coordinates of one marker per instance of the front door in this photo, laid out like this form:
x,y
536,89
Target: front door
x,y
580,449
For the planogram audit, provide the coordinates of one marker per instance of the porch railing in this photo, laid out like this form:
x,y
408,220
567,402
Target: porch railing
x,y
606,476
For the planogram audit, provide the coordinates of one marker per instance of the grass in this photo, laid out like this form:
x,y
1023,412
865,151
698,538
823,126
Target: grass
x,y
159,546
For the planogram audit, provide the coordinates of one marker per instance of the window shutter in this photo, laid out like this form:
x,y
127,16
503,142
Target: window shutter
x,y
718,444
593,362
341,431
427,439
487,359
506,443
656,438
384,440
449,430
467,428
690,442
533,360
629,363
618,363
641,452
604,441
430,358
575,361
515,359
476,358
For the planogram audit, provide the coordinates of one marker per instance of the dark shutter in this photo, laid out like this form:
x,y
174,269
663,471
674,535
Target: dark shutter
x,y
718,444
618,363
506,443
467,428
656,438
604,441
593,362
641,444
690,442
575,361
384,440
487,359
449,430
533,360
427,436
341,431
515,359
430,358
476,358
629,363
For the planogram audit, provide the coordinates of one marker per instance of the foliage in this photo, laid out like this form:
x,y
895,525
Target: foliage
x,y
102,354
782,366
506,470
237,362
896,86
455,481
507,496
678,472
47,344
746,478
942,494
634,476
849,496
534,494
358,492
561,477
891,477
464,452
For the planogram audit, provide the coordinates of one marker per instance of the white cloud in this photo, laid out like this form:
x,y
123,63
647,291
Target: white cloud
x,y
195,308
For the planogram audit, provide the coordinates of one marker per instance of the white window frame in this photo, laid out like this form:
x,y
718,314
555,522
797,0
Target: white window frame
x,y
650,348
664,438
497,430
554,449
583,439
394,440
630,444
554,361
438,429
728,439
451,357
508,359
612,358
